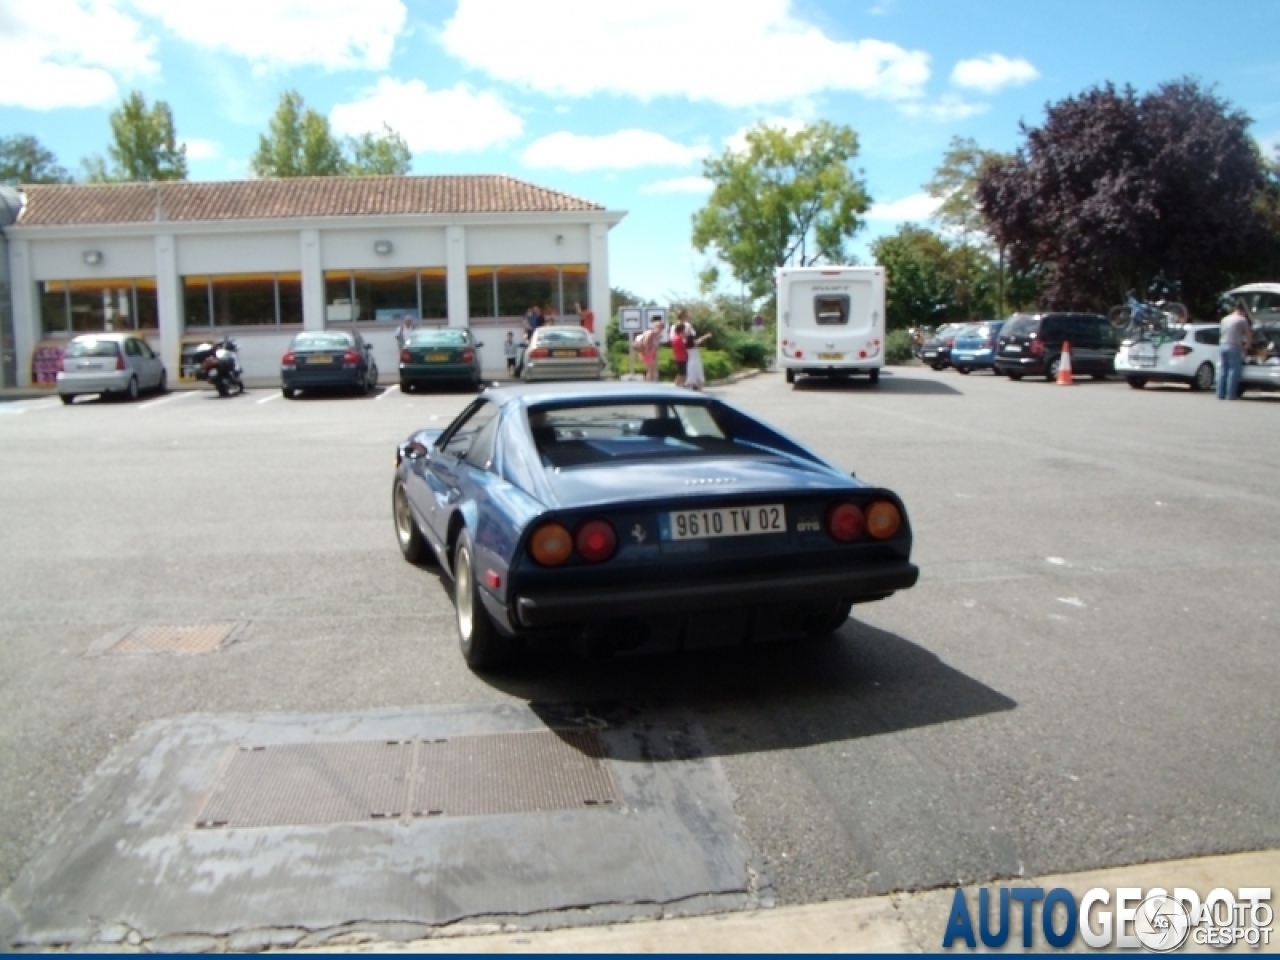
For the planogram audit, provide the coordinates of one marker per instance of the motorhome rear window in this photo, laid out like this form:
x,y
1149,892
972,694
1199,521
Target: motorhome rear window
x,y
831,311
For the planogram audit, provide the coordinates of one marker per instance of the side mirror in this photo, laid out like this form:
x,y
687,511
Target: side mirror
x,y
478,345
415,450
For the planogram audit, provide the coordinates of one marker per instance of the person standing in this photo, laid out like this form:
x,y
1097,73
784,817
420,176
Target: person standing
x,y
1234,339
647,345
680,348
549,316
586,318
532,320
509,350
404,331
696,378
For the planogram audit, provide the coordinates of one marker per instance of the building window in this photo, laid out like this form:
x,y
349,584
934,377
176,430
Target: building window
x,y
386,296
242,300
519,288
90,306
509,292
481,292
574,287
435,295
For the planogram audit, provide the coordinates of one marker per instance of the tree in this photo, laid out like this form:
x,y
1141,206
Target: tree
x,y
23,159
143,145
386,153
955,185
1117,192
299,143
921,287
787,198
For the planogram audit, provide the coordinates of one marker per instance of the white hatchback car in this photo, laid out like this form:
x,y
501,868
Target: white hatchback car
x,y
119,364
1187,353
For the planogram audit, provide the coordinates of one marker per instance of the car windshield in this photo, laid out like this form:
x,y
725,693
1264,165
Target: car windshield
x,y
438,338
569,436
321,341
572,336
1019,326
91,348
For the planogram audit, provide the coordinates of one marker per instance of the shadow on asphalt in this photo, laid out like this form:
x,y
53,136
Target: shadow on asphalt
x,y
860,682
888,384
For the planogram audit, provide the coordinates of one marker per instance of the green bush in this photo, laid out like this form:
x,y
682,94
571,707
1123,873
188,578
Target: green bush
x,y
716,364
897,350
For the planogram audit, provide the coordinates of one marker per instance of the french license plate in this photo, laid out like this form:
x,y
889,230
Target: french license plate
x,y
564,353
1013,348
1143,361
726,522
320,358
831,356
930,353
437,358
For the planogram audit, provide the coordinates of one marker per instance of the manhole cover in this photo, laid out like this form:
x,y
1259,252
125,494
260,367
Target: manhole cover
x,y
488,774
170,638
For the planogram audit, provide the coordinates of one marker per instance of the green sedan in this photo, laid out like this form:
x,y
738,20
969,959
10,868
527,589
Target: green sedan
x,y
443,354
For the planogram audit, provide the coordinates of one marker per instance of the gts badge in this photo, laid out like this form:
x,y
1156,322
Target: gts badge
x,y
808,525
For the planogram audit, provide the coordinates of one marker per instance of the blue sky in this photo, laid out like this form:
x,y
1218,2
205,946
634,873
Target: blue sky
x,y
618,102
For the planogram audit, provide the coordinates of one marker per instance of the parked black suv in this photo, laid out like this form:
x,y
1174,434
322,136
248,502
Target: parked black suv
x,y
1030,345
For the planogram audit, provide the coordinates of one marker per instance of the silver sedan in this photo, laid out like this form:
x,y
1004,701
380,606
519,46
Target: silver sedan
x,y
110,363
561,353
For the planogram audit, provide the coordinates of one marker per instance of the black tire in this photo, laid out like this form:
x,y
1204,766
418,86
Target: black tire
x,y
964,370
1136,382
1100,377
874,376
827,619
1204,378
131,391
1119,317
483,648
791,376
1015,377
163,386
413,544
221,386
406,386
937,366
373,380
1051,369
68,398
288,392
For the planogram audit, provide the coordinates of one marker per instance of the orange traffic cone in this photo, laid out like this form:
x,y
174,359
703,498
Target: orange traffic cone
x,y
1064,366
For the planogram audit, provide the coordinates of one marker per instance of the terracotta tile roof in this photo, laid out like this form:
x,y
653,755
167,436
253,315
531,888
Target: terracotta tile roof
x,y
188,201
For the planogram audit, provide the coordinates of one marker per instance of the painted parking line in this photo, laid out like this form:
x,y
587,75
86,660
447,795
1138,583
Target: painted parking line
x,y
273,395
167,398
22,406
394,388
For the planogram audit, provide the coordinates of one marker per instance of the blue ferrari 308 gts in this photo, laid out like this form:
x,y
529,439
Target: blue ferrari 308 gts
x,y
639,517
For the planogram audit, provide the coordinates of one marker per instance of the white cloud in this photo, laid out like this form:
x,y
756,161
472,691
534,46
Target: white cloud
x,y
198,149
68,53
624,150
916,207
335,34
946,109
431,121
680,185
992,73
748,53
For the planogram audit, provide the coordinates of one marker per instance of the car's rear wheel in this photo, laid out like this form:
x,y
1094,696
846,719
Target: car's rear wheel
x,y
288,392
1136,382
936,366
483,647
1203,380
412,543
791,376
1014,376
964,370
826,618
874,376
1051,370
131,391
68,398
406,386
163,386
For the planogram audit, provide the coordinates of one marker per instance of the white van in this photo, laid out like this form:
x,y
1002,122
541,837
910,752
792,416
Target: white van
x,y
831,321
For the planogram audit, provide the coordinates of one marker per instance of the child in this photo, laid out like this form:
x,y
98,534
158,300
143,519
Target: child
x,y
509,348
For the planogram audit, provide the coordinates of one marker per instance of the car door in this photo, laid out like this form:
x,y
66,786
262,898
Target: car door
x,y
151,365
446,470
135,360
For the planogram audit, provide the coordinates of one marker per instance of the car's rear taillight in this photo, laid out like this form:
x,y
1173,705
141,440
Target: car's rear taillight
x,y
1037,348
845,522
883,519
596,541
405,356
289,359
468,355
120,364
1181,349
551,544
350,356
588,352
541,353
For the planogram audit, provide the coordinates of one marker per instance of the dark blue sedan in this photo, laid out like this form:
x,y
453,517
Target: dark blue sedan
x,y
328,359
639,517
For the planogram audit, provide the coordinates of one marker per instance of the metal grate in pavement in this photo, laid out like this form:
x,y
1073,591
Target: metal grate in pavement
x,y
175,638
479,775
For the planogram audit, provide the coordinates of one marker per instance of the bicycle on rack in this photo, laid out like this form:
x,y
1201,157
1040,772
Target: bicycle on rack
x,y
1142,321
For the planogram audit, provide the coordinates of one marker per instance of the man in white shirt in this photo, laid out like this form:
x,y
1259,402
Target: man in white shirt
x,y
1235,337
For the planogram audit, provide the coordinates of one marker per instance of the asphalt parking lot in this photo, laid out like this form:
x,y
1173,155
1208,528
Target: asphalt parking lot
x,y
1085,676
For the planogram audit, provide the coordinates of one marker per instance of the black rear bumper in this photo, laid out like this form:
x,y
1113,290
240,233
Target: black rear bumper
x,y
562,608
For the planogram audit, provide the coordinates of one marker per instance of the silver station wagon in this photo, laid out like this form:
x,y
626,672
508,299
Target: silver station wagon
x,y
110,364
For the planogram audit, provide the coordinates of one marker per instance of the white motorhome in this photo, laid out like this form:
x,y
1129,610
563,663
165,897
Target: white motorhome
x,y
831,321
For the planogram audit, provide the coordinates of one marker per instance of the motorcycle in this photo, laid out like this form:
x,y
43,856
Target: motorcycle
x,y
219,364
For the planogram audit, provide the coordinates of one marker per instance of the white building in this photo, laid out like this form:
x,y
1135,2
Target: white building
x,y
263,259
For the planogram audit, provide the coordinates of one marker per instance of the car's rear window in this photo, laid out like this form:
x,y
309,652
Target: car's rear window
x,y
91,348
438,338
1020,326
322,341
580,435
567,335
